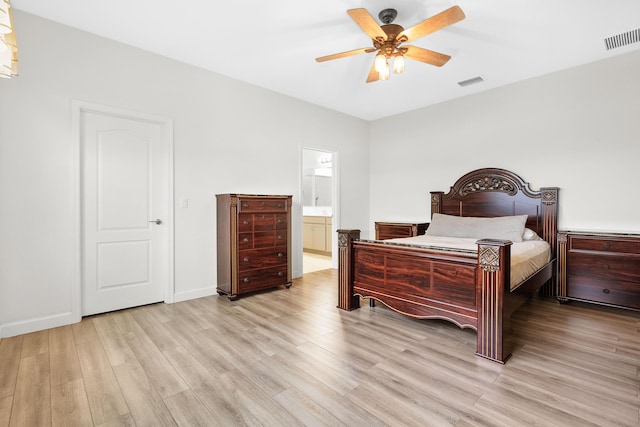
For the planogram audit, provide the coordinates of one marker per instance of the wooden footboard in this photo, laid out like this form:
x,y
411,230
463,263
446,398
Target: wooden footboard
x,y
466,290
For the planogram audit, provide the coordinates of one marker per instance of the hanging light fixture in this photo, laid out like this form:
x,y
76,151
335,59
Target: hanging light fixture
x,y
8,46
384,74
398,64
379,63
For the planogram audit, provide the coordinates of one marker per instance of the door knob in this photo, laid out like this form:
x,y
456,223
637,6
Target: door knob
x,y
157,221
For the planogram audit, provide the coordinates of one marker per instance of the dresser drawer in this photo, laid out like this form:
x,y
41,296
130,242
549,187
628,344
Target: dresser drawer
x,y
262,239
261,222
263,278
245,223
256,222
615,292
604,266
281,221
262,258
605,244
262,205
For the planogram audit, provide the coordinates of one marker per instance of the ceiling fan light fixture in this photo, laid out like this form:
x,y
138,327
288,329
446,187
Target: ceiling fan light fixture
x,y
380,62
384,74
398,64
388,40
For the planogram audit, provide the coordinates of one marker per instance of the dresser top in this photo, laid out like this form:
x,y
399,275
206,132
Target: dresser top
x,y
262,196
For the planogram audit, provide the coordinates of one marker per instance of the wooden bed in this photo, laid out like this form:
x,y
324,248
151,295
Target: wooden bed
x,y
472,292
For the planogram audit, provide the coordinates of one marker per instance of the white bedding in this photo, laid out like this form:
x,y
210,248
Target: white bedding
x,y
527,257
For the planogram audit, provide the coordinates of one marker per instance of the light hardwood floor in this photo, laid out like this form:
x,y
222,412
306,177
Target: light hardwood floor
x,y
289,357
314,262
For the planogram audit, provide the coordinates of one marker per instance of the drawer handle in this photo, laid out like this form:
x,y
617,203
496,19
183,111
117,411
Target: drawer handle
x,y
279,221
245,205
279,205
246,222
280,274
279,237
606,267
246,239
280,254
607,245
606,291
245,259
246,280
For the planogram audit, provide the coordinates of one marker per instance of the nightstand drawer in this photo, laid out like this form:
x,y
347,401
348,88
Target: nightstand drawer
x,y
619,293
393,230
604,266
605,244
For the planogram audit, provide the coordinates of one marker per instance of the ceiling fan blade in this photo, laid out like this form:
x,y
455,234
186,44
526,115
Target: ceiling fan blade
x,y
427,56
347,53
430,25
367,23
373,74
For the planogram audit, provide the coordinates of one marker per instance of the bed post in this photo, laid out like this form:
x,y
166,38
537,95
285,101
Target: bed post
x,y
436,202
494,259
346,299
549,197
561,272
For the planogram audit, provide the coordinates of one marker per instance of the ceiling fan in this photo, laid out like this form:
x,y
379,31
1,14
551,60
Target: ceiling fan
x,y
388,39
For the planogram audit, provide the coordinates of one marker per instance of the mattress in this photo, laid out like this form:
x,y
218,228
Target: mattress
x,y
526,257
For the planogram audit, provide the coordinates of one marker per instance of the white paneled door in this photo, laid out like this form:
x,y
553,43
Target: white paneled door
x,y
125,197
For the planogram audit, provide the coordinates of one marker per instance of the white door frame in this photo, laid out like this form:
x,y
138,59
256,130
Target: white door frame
x,y
335,222
77,108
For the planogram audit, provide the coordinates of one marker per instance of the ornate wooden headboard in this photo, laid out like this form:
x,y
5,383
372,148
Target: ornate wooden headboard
x,y
494,192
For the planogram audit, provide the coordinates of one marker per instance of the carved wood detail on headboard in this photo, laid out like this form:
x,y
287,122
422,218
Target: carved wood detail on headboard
x,y
499,192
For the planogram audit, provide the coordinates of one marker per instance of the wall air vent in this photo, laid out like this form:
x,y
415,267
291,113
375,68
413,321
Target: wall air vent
x,y
622,39
471,81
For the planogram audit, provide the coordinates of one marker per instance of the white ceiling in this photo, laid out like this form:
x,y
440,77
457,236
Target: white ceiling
x,y
273,44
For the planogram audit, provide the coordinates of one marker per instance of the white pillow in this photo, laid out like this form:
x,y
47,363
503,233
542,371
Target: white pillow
x,y
529,234
501,228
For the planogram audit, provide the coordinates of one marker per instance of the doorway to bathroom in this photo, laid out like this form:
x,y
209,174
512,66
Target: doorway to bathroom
x,y
318,201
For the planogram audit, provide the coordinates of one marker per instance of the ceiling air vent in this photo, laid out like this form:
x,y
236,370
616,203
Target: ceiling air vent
x,y
622,39
471,81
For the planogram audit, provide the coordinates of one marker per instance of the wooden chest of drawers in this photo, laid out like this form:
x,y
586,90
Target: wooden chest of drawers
x,y
600,268
392,230
253,243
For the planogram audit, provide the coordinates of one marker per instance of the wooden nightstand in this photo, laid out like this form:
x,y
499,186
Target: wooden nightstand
x,y
392,230
603,268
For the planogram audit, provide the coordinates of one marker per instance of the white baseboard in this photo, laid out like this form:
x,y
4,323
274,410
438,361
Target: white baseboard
x,y
37,324
198,293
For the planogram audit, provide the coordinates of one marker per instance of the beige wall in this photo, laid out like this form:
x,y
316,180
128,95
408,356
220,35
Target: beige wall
x,y
228,137
577,129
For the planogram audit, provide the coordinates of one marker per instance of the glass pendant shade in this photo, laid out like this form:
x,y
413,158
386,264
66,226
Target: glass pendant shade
x,y
380,62
398,64
384,74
